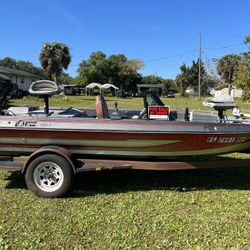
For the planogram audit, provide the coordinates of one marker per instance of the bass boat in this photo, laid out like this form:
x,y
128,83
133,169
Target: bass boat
x,y
154,132
121,138
60,144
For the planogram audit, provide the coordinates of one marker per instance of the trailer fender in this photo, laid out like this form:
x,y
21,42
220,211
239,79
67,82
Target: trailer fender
x,y
52,150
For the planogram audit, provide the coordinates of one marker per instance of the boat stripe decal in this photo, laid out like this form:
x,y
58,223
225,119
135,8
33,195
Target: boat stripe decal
x,y
90,143
136,153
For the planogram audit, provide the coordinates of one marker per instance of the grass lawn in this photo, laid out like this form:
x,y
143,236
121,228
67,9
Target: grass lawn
x,y
191,209
128,103
125,209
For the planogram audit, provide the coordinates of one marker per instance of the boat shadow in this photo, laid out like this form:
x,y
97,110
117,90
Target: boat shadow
x,y
110,182
122,181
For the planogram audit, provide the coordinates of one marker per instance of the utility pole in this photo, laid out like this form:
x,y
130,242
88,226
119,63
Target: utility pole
x,y
199,87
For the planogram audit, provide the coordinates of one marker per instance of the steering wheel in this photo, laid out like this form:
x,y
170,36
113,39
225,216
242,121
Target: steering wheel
x,y
10,113
142,114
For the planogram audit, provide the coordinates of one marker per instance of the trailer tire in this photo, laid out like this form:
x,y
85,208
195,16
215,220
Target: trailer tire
x,y
49,176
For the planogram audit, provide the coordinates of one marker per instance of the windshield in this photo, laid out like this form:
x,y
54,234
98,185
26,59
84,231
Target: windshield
x,y
152,99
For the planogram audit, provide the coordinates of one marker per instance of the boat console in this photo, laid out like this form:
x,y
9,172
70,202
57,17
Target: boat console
x,y
154,108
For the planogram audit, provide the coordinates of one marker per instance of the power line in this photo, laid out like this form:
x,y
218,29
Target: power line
x,y
226,47
240,34
212,53
148,60
206,49
169,56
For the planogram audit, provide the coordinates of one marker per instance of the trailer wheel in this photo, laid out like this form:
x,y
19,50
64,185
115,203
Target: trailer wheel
x,y
49,176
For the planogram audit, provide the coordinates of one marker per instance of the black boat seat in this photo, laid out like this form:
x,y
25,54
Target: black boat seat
x,y
101,107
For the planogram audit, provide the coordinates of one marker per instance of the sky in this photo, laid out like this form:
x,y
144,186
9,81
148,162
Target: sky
x,y
162,33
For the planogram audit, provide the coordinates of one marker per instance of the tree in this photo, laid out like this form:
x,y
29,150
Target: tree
x,y
55,57
211,69
136,64
24,66
152,79
247,42
247,39
95,69
227,68
194,75
9,62
183,79
65,79
116,69
169,84
242,79
189,77
208,82
123,72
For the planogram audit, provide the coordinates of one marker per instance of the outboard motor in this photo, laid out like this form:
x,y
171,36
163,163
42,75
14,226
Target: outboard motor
x,y
221,104
5,91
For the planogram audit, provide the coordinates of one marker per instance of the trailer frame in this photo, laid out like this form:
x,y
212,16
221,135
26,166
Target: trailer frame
x,y
62,164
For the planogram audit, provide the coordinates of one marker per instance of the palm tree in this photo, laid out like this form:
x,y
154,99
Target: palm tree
x,y
183,79
227,68
55,57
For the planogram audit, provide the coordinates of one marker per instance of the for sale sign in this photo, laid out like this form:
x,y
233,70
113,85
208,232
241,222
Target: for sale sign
x,y
159,112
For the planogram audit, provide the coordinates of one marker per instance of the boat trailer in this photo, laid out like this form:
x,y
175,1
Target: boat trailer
x,y
49,171
101,165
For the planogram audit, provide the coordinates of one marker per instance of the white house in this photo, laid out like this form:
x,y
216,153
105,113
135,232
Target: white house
x,y
223,89
21,78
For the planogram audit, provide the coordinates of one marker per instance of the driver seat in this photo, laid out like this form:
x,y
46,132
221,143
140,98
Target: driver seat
x,y
101,107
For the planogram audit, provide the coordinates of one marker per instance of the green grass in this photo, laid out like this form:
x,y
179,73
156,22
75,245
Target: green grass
x,y
191,209
128,103
125,209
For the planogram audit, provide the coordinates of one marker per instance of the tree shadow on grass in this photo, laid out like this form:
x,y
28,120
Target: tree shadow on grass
x,y
121,181
89,98
93,99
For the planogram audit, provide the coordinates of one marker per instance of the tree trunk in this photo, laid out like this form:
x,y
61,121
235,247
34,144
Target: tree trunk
x,y
229,88
229,83
54,76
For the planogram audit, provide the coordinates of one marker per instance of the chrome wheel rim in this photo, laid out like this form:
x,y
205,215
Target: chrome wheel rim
x,y
48,176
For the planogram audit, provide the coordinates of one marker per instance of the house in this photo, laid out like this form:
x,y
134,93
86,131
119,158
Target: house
x,y
223,89
189,90
21,79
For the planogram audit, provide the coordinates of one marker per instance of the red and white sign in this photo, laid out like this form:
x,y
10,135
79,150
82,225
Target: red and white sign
x,y
159,112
